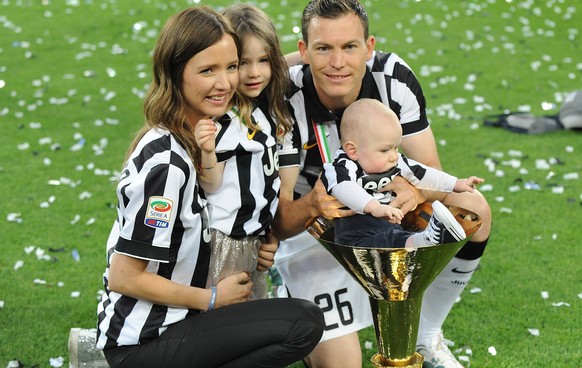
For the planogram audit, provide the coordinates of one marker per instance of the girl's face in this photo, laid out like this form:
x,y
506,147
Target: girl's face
x,y
255,68
210,79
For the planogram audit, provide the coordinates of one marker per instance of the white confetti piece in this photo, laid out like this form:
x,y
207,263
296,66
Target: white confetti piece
x,y
475,290
1,303
57,362
542,164
580,296
39,281
560,304
492,350
545,295
75,255
14,217
75,219
571,176
75,294
463,358
514,188
18,264
368,345
91,221
39,252
23,146
505,210
85,195
534,331
558,189
486,187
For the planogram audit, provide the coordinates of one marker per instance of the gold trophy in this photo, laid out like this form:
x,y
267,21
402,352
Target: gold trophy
x,y
395,280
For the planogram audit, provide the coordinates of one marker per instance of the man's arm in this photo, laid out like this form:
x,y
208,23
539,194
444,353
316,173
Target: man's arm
x,y
420,147
293,215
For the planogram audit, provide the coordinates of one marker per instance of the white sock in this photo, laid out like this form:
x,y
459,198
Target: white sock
x,y
440,296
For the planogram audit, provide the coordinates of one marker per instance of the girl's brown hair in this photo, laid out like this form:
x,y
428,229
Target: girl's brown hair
x,y
248,20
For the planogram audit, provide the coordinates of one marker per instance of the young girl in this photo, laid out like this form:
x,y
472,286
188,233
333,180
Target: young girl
x,y
243,202
151,314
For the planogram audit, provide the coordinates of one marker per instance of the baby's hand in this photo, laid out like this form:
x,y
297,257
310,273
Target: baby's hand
x,y
205,133
393,214
467,185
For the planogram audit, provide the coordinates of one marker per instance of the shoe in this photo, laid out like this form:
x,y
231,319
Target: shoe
x,y
437,354
442,227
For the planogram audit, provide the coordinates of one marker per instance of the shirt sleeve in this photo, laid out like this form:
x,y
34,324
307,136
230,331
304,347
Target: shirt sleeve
x,y
340,180
425,177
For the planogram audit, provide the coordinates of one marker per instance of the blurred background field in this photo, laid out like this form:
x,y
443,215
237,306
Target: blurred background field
x,y
72,78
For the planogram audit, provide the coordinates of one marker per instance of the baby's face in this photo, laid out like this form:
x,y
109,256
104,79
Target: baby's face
x,y
378,149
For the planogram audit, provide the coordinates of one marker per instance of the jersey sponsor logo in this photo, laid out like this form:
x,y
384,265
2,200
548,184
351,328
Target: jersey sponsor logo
x,y
272,164
377,182
159,212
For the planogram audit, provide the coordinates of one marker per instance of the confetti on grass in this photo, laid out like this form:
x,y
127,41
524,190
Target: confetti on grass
x,y
534,331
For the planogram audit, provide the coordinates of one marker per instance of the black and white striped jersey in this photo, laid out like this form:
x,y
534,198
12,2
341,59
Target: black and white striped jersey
x,y
340,176
161,219
247,200
388,79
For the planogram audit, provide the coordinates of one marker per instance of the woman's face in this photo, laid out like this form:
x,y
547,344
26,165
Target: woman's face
x,y
255,68
210,79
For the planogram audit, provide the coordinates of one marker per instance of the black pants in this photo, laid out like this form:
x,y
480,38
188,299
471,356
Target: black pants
x,y
370,232
260,333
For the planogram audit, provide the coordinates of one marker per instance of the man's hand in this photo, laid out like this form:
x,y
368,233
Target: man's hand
x,y
326,205
407,196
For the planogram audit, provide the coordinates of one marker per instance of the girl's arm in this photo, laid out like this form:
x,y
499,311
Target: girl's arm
x,y
211,172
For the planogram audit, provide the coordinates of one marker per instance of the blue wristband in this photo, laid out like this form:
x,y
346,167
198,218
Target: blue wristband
x,y
212,298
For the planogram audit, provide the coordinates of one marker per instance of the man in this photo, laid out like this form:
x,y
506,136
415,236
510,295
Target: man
x,y
341,67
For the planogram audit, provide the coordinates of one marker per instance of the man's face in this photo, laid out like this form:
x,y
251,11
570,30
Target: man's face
x,y
337,53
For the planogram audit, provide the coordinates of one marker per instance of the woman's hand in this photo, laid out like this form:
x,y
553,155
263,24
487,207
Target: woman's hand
x,y
233,289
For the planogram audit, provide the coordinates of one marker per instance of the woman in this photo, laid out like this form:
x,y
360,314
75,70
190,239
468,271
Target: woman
x,y
151,314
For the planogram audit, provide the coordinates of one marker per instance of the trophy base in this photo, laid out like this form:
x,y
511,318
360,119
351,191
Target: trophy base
x,y
415,361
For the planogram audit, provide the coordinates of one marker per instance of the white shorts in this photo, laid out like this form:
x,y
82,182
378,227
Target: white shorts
x,y
310,272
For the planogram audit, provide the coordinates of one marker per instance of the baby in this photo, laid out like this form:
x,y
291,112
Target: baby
x,y
366,163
